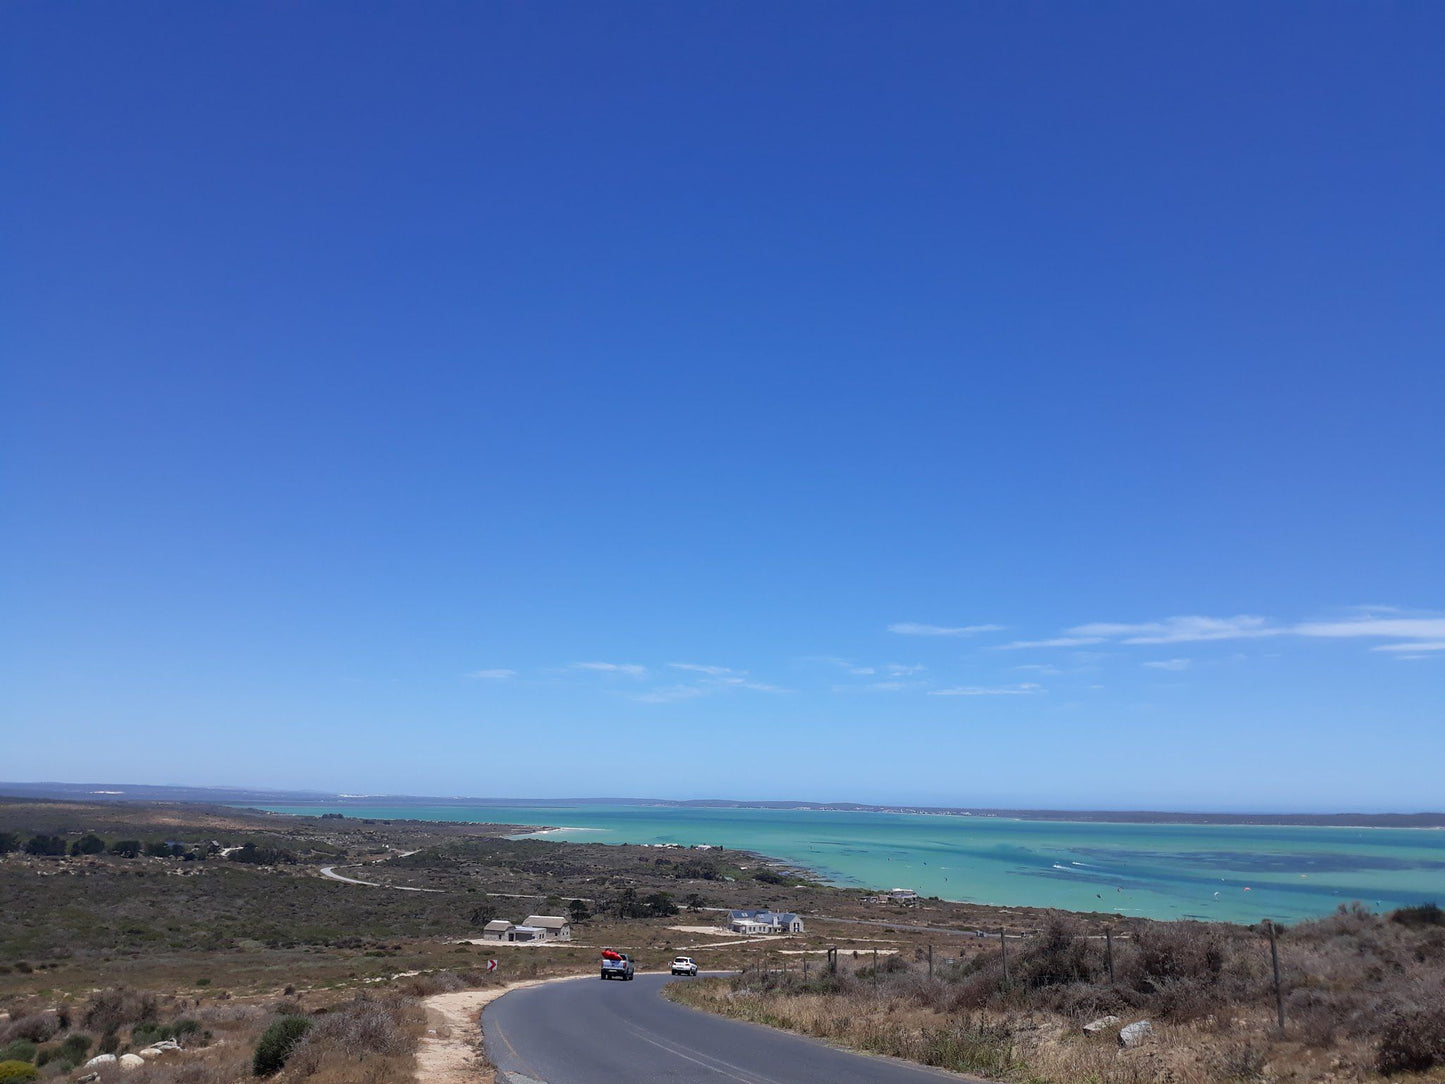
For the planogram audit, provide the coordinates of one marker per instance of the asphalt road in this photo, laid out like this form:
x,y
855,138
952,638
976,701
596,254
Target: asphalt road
x,y
587,1030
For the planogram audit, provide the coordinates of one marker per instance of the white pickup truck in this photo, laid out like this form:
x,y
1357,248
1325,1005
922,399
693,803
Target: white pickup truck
x,y
616,965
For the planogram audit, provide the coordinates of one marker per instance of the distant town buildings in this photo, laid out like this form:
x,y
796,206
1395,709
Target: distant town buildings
x,y
894,895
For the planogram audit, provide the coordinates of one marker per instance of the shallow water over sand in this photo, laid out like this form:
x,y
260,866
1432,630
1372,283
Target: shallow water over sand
x,y
1234,873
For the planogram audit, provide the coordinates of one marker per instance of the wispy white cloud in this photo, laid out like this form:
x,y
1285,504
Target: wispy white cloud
x,y
698,668
914,628
880,687
898,669
1395,628
1039,668
1170,664
1025,689
710,681
1412,632
1179,630
670,694
495,674
627,668
1057,641
843,664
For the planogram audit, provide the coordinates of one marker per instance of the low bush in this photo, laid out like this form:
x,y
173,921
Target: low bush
x,y
369,1026
152,1032
18,1072
19,1050
1412,1041
277,1043
110,1010
37,1027
66,1055
1426,914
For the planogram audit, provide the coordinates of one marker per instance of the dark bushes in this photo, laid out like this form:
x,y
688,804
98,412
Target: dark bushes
x,y
277,1043
1426,914
90,843
1413,1041
110,1010
36,1028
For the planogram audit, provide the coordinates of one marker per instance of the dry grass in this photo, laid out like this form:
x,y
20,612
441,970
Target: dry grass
x,y
1363,995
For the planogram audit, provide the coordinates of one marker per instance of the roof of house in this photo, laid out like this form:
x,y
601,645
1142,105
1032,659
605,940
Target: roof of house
x,y
497,924
547,922
766,917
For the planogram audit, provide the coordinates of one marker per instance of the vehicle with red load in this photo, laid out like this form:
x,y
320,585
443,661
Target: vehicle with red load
x,y
616,965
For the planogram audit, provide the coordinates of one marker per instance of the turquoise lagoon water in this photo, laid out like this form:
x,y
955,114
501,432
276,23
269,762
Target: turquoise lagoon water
x,y
1231,873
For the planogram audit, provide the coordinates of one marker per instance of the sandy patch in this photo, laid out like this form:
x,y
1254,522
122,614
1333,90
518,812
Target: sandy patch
x,y
449,1053
716,931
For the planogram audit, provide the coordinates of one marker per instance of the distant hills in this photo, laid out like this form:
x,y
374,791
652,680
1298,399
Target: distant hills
x,y
139,792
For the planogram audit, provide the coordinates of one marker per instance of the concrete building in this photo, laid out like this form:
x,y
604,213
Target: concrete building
x,y
763,921
497,930
554,928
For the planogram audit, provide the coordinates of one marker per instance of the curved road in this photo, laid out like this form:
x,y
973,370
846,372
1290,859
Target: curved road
x,y
586,1031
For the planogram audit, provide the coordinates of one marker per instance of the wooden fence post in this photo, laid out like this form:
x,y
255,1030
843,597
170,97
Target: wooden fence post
x,y
930,960
1109,953
1003,947
1274,958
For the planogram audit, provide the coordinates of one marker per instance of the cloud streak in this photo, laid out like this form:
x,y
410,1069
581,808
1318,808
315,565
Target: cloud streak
x,y
1028,688
913,628
1411,633
626,668
495,674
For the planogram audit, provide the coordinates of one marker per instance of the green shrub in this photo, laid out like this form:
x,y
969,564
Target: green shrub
x,y
19,1050
90,843
77,1043
184,1027
18,1072
277,1043
51,846
126,848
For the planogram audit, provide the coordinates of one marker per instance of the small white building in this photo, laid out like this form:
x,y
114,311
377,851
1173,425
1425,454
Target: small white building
x,y
497,930
762,921
553,927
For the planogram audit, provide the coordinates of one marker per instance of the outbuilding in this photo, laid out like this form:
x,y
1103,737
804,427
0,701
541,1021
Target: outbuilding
x,y
553,927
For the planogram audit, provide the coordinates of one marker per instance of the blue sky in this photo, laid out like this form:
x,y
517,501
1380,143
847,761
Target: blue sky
x,y
981,404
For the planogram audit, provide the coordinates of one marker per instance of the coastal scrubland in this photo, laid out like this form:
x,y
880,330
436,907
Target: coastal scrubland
x,y
1362,995
127,925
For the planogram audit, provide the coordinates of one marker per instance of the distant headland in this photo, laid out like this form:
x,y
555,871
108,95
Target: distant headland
x,y
256,796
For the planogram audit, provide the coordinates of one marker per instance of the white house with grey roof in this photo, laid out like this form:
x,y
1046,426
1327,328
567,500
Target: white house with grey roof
x,y
763,921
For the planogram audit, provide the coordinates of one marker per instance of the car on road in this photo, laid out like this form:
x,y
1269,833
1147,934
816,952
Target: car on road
x,y
684,965
616,965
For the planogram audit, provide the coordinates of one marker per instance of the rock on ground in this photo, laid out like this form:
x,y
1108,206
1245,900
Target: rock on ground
x,y
1134,1034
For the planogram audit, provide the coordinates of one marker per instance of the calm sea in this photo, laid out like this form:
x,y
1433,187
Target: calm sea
x,y
1233,873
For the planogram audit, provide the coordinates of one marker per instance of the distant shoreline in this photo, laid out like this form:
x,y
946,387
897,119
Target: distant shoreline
x,y
257,797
